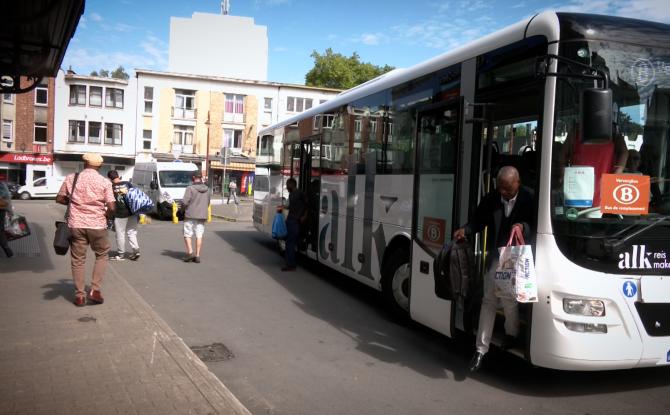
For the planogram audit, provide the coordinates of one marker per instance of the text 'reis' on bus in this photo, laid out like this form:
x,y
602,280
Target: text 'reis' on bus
x,y
579,104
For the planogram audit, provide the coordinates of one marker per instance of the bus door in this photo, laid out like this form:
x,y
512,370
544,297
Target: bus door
x,y
437,142
309,184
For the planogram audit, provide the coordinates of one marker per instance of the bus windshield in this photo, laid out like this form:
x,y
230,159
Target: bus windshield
x,y
599,220
175,178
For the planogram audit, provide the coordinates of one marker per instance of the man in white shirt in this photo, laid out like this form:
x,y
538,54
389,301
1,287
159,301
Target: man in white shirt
x,y
509,206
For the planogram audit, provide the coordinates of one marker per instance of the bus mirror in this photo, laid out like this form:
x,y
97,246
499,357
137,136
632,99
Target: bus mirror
x,y
153,185
596,114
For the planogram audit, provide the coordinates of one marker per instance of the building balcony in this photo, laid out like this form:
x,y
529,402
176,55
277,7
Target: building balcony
x,y
234,118
184,113
183,148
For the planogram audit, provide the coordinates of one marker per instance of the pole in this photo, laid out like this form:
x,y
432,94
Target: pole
x,y
223,179
209,182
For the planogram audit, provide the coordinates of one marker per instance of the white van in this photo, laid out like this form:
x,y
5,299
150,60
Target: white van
x,y
164,182
42,187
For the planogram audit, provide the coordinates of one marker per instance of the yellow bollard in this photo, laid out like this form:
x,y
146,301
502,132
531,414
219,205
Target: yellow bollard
x,y
209,213
175,219
143,219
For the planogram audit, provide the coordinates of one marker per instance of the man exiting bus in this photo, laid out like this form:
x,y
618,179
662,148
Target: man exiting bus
x,y
297,214
509,206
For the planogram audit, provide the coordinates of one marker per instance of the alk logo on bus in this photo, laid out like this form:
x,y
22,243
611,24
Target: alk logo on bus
x,y
641,258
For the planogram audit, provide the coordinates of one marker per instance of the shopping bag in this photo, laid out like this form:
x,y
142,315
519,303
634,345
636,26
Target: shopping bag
x,y
16,227
62,238
515,274
279,227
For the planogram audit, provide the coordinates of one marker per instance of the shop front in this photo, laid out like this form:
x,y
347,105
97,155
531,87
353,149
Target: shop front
x,y
22,168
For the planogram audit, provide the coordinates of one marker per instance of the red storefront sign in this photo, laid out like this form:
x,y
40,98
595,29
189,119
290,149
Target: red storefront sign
x,y
26,158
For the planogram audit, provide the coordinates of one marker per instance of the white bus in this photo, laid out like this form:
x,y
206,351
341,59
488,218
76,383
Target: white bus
x,y
553,96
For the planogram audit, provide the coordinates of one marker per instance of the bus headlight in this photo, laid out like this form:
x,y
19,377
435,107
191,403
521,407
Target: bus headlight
x,y
591,308
586,327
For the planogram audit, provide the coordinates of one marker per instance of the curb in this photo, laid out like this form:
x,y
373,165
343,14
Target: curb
x,y
211,387
228,218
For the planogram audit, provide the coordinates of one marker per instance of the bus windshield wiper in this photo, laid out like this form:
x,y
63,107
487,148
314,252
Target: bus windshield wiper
x,y
614,244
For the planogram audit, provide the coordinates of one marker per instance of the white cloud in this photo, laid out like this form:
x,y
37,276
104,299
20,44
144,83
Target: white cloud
x,y
657,10
280,49
372,39
96,17
82,22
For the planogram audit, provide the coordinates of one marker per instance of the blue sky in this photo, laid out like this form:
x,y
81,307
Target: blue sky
x,y
135,33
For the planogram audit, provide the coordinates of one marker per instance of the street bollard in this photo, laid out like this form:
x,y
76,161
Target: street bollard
x,y
209,213
175,219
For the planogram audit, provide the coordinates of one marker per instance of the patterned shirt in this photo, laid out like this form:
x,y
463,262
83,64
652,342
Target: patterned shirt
x,y
89,201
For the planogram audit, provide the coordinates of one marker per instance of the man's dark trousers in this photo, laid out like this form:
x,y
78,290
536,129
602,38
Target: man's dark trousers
x,y
292,235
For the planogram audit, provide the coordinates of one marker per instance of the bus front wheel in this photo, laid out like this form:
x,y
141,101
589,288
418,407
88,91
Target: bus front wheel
x,y
395,283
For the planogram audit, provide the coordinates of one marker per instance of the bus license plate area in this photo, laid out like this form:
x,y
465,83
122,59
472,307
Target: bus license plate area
x,y
655,289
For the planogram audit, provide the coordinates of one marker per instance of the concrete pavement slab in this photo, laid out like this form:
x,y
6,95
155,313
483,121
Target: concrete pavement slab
x,y
118,357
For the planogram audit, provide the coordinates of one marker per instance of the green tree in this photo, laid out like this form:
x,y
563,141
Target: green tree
x,y
104,73
120,73
94,73
334,70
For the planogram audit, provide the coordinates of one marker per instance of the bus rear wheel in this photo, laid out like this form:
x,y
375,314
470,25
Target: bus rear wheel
x,y
396,283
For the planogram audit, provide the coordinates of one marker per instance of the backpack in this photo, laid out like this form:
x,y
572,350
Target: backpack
x,y
138,201
454,271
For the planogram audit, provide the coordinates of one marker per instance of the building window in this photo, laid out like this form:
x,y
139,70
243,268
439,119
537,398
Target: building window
x,y
77,94
294,104
94,96
233,110
40,133
114,98
94,128
267,111
113,134
327,120
7,130
8,98
183,138
146,139
148,99
77,131
42,96
184,104
232,139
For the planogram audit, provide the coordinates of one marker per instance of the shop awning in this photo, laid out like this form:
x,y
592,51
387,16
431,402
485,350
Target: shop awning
x,y
234,166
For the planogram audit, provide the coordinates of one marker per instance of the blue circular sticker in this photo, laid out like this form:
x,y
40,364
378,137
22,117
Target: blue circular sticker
x,y
629,288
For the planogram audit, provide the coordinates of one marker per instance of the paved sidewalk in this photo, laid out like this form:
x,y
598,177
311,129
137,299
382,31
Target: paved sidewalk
x,y
116,358
232,212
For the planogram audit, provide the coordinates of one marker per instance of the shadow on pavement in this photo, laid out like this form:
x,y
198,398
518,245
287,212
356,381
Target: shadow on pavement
x,y
37,262
416,346
385,340
173,254
63,288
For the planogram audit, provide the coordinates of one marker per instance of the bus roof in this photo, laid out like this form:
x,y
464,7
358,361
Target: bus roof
x,y
543,23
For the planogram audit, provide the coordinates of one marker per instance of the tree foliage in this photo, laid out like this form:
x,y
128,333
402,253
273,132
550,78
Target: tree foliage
x,y
334,70
118,73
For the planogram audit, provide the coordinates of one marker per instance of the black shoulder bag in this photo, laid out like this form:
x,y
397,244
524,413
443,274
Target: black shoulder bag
x,y
63,234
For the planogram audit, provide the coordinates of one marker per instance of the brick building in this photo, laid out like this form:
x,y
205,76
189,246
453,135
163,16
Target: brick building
x,y
26,145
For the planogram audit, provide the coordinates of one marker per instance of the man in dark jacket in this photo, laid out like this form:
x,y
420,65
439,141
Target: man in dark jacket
x,y
297,214
196,208
125,223
509,206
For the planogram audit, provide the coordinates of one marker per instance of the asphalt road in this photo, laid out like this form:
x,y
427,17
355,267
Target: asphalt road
x,y
315,342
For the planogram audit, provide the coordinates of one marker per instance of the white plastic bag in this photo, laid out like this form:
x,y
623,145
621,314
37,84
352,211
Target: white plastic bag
x,y
515,274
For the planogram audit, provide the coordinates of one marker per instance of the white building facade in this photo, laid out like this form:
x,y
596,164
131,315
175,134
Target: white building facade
x,y
94,114
218,45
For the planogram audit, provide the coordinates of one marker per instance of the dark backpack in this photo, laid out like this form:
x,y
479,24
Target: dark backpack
x,y
454,271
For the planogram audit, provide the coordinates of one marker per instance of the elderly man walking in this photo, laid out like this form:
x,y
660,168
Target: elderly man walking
x,y
196,208
91,202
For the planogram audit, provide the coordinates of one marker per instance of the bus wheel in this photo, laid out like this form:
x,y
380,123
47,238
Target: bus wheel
x,y
395,283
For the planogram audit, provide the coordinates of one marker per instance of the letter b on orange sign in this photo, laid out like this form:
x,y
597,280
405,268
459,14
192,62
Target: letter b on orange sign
x,y
625,194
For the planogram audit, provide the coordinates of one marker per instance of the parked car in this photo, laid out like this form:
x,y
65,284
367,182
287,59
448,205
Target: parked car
x,y
46,187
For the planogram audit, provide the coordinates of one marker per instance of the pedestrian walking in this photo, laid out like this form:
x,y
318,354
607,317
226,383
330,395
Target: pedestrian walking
x,y
507,207
297,215
125,222
195,205
5,210
232,191
91,203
